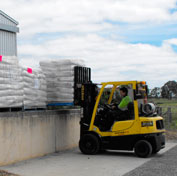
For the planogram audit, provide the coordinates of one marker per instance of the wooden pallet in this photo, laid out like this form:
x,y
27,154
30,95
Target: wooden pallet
x,y
10,109
61,104
34,108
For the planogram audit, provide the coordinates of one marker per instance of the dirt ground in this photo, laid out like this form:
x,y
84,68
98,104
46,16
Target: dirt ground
x,y
171,135
4,173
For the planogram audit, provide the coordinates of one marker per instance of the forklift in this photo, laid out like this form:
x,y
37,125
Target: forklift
x,y
140,130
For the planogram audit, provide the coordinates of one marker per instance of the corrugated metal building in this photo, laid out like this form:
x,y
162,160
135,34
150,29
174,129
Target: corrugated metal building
x,y
8,35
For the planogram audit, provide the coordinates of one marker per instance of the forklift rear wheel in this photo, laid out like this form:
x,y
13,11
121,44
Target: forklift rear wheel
x,y
143,149
89,144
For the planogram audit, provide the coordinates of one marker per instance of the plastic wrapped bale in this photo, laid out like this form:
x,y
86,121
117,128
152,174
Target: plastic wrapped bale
x,y
60,79
49,71
41,85
34,88
11,86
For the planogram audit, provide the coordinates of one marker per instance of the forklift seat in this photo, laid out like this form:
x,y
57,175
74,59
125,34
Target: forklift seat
x,y
130,107
125,115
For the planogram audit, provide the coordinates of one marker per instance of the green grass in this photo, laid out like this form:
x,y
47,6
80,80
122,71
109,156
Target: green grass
x,y
162,102
165,104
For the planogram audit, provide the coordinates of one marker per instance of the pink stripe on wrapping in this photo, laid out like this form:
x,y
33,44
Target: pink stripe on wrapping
x,y
0,58
29,70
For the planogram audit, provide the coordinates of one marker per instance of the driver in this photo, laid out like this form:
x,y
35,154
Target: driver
x,y
119,111
125,100
122,107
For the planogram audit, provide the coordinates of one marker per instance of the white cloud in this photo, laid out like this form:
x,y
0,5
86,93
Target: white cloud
x,y
111,60
172,41
37,16
81,20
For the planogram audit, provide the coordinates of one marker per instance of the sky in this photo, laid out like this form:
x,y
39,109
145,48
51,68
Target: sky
x,y
119,39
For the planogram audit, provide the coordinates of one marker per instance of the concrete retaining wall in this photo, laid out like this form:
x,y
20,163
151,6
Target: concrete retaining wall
x,y
25,135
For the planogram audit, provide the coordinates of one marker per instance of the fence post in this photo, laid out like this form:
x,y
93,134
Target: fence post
x,y
160,111
169,115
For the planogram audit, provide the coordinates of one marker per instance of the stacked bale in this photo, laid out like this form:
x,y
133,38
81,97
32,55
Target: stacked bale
x,y
60,79
11,86
34,88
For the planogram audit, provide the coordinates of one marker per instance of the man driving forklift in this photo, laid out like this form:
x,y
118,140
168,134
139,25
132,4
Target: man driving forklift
x,y
125,99
119,111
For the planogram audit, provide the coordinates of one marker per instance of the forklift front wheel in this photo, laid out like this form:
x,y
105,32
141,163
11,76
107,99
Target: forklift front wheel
x,y
143,149
89,144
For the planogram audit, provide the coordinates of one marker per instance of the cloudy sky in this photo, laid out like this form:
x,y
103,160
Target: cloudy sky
x,y
118,39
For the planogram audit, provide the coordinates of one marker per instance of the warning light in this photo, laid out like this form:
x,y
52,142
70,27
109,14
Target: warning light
x,y
143,82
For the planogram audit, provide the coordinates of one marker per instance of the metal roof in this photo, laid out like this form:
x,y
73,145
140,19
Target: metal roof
x,y
9,28
8,17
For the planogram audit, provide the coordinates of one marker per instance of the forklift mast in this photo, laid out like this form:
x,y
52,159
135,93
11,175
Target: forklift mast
x,y
85,93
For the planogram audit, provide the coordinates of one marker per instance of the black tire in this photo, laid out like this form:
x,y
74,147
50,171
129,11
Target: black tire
x,y
89,144
143,149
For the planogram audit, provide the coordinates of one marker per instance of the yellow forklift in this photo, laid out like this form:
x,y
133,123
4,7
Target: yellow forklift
x,y
140,129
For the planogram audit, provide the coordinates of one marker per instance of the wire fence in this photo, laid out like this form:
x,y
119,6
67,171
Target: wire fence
x,y
170,116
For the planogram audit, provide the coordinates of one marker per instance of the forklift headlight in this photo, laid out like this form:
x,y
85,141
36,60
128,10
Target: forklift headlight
x,y
147,123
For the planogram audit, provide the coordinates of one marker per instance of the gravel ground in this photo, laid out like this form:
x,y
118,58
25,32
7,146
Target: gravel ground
x,y
163,165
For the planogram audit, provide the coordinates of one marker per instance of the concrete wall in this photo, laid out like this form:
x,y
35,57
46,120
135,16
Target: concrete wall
x,y
25,135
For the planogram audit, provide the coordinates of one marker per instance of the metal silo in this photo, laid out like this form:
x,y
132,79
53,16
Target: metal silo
x,y
8,35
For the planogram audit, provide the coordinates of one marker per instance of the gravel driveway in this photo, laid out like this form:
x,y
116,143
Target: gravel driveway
x,y
163,165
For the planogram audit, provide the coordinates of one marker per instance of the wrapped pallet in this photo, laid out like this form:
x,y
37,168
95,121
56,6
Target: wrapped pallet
x,y
11,86
34,88
60,79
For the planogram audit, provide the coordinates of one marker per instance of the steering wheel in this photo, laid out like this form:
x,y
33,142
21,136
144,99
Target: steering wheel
x,y
107,106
